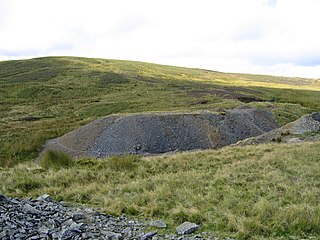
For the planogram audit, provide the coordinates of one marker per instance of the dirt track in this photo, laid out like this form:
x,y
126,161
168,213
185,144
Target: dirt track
x,y
155,133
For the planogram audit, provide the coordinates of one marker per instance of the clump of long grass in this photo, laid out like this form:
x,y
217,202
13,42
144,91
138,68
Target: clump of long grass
x,y
122,162
56,160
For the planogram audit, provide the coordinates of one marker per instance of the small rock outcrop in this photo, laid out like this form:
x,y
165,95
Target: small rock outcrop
x,y
47,219
306,128
156,133
306,124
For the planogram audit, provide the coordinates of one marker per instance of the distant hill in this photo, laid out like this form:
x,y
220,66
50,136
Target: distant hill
x,y
62,93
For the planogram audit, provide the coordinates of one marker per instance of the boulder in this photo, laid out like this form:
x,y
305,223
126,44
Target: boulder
x,y
158,224
187,228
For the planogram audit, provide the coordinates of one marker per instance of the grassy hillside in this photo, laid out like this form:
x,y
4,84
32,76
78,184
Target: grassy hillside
x,y
252,192
67,92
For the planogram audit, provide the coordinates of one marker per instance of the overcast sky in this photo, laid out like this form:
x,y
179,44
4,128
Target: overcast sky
x,y
279,37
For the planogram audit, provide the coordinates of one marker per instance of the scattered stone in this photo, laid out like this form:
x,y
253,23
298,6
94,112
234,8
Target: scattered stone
x,y
158,224
68,223
200,102
137,147
29,209
46,219
187,228
30,118
70,233
78,216
2,234
113,235
56,235
45,197
149,235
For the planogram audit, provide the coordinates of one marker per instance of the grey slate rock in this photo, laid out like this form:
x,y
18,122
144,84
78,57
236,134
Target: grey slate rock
x,y
29,209
56,235
70,233
42,219
113,235
187,228
45,197
158,224
2,234
148,235
67,223
78,216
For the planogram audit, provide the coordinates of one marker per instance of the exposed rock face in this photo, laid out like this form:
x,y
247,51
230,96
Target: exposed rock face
x,y
41,219
308,123
163,132
306,128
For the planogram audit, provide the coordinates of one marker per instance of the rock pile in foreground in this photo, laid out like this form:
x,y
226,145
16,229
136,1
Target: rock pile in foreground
x,y
154,133
44,218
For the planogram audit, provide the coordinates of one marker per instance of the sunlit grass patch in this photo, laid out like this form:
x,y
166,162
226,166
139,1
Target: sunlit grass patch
x,y
253,192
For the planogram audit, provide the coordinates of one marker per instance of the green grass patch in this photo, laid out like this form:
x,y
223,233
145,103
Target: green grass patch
x,y
122,163
56,160
253,192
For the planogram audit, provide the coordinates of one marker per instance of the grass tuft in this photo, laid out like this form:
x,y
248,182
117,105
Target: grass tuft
x,y
56,160
122,163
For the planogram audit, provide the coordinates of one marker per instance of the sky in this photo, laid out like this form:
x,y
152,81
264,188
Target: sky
x,y
276,37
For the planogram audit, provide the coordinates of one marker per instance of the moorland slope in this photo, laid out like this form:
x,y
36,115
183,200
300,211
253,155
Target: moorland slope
x,y
63,93
247,192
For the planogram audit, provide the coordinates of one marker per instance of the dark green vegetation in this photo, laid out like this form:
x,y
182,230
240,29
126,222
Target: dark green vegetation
x,y
252,192
56,160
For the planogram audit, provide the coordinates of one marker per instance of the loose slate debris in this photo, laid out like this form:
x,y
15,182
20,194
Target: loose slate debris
x,y
156,133
44,218
30,118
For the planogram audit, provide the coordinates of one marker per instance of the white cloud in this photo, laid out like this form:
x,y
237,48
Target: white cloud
x,y
254,36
